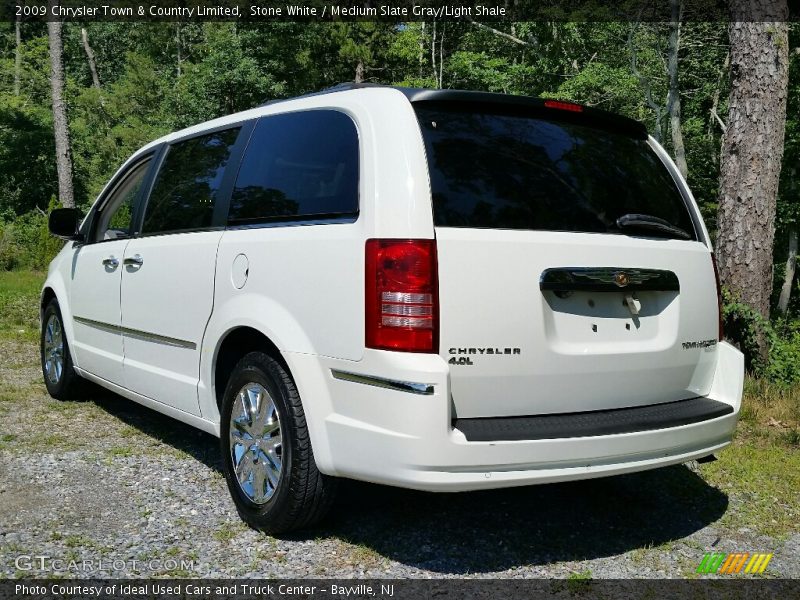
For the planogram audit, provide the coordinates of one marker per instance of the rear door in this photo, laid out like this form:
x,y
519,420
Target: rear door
x,y
168,270
572,276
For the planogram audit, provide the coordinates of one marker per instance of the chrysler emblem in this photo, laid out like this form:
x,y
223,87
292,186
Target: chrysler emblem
x,y
621,279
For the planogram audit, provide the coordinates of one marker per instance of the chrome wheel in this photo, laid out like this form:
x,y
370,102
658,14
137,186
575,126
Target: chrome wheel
x,y
53,349
255,443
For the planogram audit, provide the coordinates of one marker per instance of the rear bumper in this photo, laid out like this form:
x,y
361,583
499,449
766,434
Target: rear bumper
x,y
407,439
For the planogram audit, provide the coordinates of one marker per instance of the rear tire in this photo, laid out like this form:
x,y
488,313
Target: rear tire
x,y
266,450
58,371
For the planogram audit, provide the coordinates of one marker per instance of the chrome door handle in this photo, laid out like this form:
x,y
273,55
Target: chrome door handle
x,y
111,261
135,260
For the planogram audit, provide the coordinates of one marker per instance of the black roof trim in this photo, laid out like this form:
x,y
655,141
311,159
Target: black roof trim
x,y
589,115
340,87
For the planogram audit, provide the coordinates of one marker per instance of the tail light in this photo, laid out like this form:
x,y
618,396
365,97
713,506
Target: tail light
x,y
561,105
719,296
402,300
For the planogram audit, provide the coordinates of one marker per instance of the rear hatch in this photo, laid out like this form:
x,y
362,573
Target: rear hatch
x,y
572,273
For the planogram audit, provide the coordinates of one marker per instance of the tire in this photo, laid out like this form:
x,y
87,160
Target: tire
x,y
58,371
281,488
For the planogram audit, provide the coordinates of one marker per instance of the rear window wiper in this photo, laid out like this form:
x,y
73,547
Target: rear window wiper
x,y
649,222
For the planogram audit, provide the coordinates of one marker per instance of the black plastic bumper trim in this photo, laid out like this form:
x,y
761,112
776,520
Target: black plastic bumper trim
x,y
592,423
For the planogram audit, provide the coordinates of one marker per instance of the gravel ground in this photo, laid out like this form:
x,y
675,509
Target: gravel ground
x,y
133,493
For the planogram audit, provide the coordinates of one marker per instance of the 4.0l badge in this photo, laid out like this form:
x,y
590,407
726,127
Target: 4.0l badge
x,y
463,354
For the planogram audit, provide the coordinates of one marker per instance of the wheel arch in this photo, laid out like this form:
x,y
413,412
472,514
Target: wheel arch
x,y
232,347
48,295
54,288
240,339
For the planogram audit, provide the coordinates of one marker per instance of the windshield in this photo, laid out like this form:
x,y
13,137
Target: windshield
x,y
511,171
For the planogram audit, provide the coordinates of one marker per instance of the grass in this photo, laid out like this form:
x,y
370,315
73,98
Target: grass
x,y
361,555
764,401
21,283
228,531
578,583
78,541
19,303
122,451
764,480
760,471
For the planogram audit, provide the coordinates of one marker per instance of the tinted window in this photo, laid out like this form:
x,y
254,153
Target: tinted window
x,y
186,187
115,218
301,164
509,171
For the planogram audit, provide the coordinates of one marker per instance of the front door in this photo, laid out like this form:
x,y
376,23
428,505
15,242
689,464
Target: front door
x,y
96,278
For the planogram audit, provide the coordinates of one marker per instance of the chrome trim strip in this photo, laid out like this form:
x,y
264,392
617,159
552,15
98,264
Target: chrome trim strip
x,y
142,335
423,389
608,279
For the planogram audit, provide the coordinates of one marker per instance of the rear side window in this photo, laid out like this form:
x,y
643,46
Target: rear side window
x,y
301,165
186,187
512,171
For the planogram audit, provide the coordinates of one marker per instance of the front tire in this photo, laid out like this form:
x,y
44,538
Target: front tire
x,y
59,375
266,449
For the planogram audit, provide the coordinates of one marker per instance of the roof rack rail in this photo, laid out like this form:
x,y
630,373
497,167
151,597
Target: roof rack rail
x,y
339,87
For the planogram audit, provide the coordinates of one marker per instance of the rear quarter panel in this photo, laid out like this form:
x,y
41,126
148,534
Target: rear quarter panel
x,y
305,284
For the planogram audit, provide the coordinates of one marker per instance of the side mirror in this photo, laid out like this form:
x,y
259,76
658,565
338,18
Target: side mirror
x,y
64,223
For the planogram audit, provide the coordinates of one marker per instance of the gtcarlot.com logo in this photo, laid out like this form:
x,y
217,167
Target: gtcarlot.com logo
x,y
28,562
737,562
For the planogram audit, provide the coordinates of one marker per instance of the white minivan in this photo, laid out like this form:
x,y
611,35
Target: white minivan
x,y
432,289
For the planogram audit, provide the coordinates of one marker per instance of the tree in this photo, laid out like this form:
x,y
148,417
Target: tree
x,y
751,159
362,46
225,80
17,54
788,219
60,124
788,278
90,58
674,96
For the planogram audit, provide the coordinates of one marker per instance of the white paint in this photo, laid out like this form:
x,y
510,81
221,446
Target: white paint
x,y
303,288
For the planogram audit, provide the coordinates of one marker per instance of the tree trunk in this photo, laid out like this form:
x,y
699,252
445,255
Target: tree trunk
x,y
433,52
60,124
752,149
17,55
644,82
788,278
421,56
674,96
791,261
90,57
440,80
178,48
359,77
715,103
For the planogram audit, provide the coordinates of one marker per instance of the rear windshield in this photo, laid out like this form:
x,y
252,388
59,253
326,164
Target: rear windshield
x,y
510,171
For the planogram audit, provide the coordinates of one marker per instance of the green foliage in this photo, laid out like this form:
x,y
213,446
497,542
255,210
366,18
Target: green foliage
x,y
19,301
605,86
745,327
28,178
158,77
26,243
223,81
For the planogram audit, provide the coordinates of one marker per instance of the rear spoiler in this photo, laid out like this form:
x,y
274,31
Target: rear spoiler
x,y
542,108
490,102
